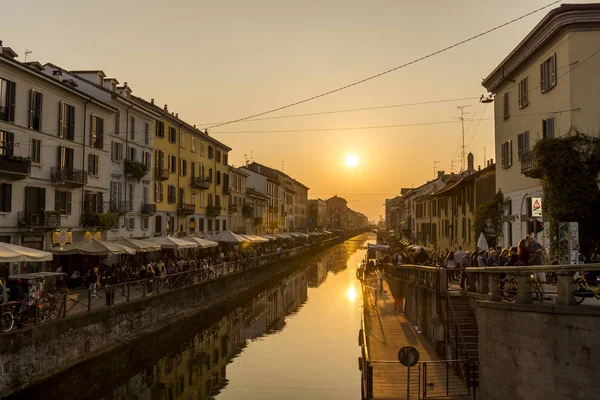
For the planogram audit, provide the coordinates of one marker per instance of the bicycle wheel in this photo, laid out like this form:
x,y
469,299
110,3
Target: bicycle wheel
x,y
8,321
580,293
508,288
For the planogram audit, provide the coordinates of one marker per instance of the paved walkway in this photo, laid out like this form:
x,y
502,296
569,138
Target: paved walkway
x,y
387,332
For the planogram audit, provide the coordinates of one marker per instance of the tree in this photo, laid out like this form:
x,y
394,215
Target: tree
x,y
569,168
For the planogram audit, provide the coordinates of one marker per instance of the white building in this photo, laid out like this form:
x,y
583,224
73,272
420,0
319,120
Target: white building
x,y
130,140
545,87
54,161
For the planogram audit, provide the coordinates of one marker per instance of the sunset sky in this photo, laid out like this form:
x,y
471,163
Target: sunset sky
x,y
214,61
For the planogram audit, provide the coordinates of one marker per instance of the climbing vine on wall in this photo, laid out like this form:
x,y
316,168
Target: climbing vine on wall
x,y
488,219
569,168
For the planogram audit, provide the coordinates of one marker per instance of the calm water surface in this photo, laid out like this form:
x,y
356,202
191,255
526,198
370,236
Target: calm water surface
x,y
296,339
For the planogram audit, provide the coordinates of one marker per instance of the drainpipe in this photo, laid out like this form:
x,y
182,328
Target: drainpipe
x,y
178,171
126,157
88,101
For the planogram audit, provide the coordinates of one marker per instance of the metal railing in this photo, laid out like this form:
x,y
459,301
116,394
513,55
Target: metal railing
x,y
42,219
17,166
364,362
437,379
148,208
69,175
81,301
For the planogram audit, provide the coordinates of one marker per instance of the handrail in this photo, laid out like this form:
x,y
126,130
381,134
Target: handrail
x,y
535,268
170,281
457,329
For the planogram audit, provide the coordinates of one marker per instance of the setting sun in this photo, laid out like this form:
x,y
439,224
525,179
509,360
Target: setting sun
x,y
352,160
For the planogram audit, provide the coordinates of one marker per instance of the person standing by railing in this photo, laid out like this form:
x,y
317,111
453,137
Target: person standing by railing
x,y
450,264
464,264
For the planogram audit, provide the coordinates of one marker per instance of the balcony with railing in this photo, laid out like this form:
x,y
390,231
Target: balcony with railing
x,y
226,189
529,166
186,208
148,208
135,169
200,183
119,206
233,208
69,176
100,220
161,174
15,168
213,211
41,219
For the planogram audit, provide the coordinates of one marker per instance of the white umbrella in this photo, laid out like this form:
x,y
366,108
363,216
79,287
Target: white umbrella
x,y
14,253
93,247
482,243
269,237
202,243
282,236
228,237
300,234
259,238
167,242
142,246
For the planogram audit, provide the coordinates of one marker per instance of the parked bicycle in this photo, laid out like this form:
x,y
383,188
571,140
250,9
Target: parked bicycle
x,y
508,289
582,289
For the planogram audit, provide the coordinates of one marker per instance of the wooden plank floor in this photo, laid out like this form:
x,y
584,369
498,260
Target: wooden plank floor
x,y
388,331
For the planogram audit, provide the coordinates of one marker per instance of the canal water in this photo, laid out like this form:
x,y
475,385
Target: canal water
x,y
295,339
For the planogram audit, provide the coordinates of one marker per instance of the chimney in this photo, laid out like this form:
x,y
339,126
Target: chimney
x,y
0,46
470,163
440,174
57,73
194,126
166,108
125,84
176,115
151,101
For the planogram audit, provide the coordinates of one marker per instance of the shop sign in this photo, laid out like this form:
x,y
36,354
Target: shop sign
x,y
62,237
32,239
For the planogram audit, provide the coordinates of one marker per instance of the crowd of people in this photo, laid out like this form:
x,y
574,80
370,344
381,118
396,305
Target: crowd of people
x,y
207,265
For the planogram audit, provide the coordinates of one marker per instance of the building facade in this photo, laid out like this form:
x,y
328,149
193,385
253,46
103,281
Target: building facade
x,y
131,143
317,214
544,88
239,221
54,161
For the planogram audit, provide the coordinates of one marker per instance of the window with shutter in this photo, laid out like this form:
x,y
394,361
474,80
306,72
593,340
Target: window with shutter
x,y
146,133
548,128
36,151
7,100
5,197
118,122
7,143
35,110
132,133
523,93
506,102
548,74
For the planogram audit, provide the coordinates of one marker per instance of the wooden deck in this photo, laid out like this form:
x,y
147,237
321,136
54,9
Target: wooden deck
x,y
387,332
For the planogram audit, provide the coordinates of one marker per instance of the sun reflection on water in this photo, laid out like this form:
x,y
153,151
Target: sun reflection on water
x,y
351,293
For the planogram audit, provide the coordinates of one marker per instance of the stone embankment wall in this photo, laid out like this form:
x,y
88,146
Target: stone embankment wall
x,y
538,352
28,356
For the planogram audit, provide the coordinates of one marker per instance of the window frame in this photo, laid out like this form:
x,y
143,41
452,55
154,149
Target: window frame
x,y
548,77
523,89
32,114
506,105
507,154
39,151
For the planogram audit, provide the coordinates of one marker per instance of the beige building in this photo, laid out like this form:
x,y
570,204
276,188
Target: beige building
x,y
545,87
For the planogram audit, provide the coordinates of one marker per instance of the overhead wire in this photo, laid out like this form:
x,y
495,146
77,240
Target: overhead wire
x,y
329,92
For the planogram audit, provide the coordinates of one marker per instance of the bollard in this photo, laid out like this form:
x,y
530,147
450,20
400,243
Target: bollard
x,y
495,287
483,283
565,290
471,282
523,288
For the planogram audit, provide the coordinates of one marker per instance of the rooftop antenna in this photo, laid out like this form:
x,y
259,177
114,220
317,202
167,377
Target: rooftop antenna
x,y
452,164
27,52
246,159
462,122
434,174
251,156
282,166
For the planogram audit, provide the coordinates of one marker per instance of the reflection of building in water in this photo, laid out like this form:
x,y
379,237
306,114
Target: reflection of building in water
x,y
198,370
317,273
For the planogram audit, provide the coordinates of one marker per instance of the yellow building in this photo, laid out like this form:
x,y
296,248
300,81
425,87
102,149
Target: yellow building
x,y
190,180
